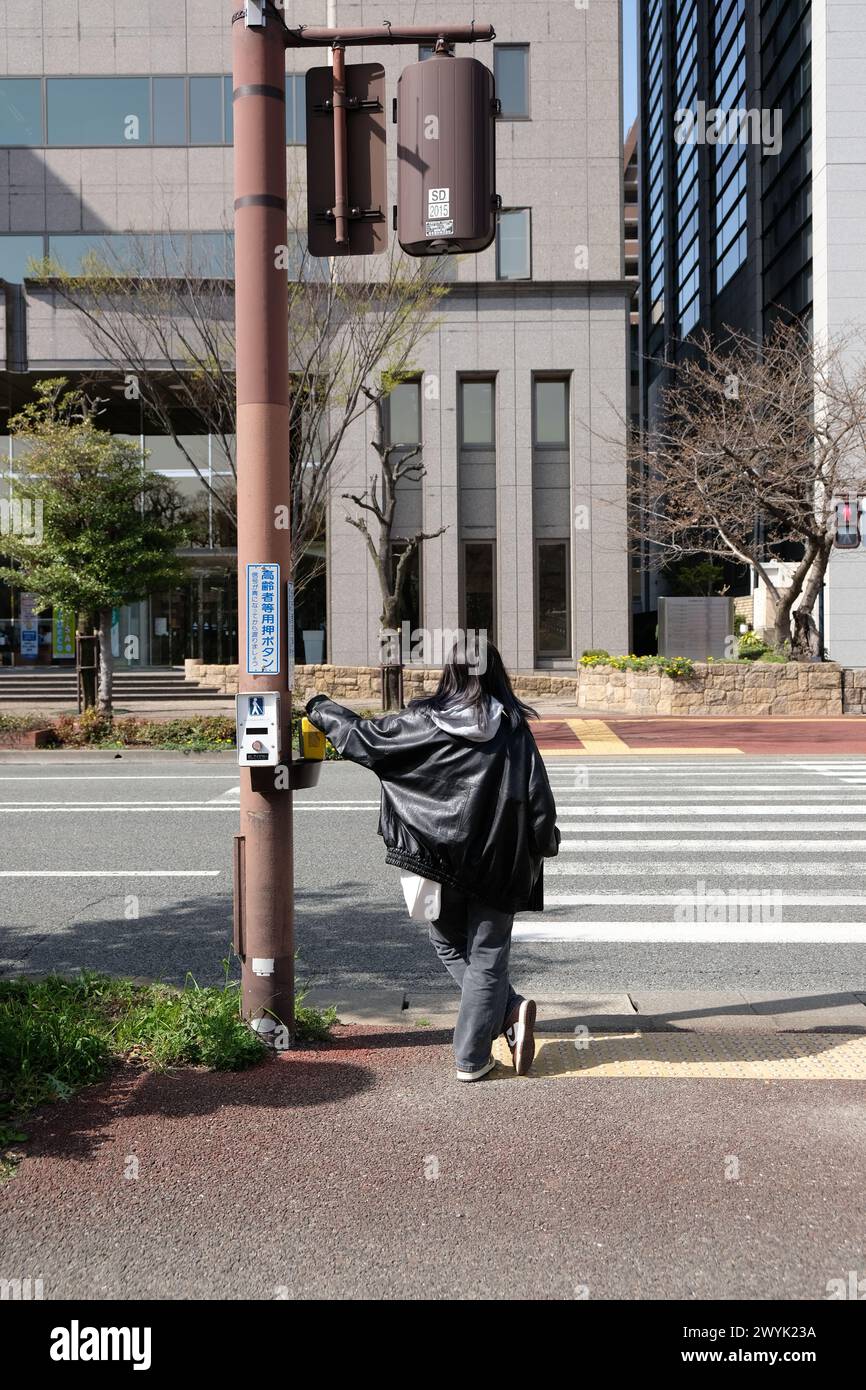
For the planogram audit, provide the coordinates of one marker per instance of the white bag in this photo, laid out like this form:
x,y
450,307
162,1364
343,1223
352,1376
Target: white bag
x,y
423,897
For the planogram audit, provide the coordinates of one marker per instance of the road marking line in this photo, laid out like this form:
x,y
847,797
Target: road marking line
x,y
674,867
688,809
754,933
126,777
667,827
110,873
777,846
721,897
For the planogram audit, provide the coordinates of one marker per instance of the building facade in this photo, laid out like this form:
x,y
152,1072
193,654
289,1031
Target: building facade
x,y
115,130
735,232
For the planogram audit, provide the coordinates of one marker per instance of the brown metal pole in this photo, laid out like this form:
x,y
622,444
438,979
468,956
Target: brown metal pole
x,y
309,36
341,176
262,369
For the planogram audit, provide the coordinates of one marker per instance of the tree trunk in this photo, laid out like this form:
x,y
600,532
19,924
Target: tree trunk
x,y
106,662
87,678
805,643
392,673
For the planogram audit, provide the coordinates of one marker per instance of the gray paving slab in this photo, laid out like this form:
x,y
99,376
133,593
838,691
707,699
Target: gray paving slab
x,y
807,1012
695,1011
384,1006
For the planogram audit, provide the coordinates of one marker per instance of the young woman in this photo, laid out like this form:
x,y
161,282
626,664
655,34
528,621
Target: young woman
x,y
468,815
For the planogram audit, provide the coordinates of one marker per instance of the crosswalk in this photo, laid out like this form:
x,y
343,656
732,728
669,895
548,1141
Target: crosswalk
x,y
705,850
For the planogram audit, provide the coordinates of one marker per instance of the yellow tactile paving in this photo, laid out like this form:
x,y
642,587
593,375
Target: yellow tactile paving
x,y
746,1055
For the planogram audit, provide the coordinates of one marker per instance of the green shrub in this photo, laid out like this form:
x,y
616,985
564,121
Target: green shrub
x,y
677,667
750,646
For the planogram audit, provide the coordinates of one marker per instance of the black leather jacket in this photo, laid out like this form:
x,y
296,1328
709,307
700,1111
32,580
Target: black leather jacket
x,y
478,816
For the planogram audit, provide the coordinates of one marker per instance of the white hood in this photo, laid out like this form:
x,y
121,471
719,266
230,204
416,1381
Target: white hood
x,y
464,720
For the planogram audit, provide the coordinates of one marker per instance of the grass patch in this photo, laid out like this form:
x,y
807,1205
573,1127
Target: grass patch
x,y
203,733
58,1034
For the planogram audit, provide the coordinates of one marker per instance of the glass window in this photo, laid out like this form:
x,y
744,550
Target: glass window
x,y
476,414
15,253
513,245
479,587
229,108
552,618
98,110
551,413
169,111
206,111
20,111
404,413
425,51
511,73
300,104
144,253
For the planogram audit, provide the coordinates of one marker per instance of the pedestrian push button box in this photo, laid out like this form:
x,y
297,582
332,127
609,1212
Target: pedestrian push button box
x,y
312,741
258,729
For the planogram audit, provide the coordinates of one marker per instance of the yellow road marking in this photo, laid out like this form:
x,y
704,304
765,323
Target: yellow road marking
x,y
741,1055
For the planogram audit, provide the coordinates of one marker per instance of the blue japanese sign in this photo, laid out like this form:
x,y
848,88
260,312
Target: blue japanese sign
x,y
263,620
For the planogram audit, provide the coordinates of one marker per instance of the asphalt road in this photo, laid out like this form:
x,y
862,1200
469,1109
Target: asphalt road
x,y
675,873
363,1169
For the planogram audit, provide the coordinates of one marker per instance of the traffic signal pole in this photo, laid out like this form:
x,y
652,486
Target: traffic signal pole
x,y
264,896
263,871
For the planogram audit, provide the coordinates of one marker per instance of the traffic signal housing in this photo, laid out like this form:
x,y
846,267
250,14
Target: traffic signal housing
x,y
446,156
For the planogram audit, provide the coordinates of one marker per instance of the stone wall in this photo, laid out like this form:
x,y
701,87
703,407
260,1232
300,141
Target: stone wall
x,y
364,682
744,688
854,690
747,688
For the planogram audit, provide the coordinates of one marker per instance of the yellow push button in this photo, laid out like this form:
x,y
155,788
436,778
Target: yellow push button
x,y
312,741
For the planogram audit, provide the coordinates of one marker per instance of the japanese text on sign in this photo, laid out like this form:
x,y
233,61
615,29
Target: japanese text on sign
x,y
263,620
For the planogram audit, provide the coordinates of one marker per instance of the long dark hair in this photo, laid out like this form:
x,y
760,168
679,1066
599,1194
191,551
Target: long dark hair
x,y
469,675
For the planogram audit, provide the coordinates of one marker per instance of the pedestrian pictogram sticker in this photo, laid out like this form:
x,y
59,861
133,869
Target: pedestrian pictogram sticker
x,y
257,705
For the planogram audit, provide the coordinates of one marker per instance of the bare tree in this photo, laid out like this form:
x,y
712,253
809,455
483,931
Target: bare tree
x,y
753,450
169,329
396,464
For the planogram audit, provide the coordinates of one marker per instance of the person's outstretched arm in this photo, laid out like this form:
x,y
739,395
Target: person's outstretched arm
x,y
378,744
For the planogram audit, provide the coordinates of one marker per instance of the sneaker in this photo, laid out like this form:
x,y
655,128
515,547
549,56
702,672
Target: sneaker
x,y
464,1074
520,1035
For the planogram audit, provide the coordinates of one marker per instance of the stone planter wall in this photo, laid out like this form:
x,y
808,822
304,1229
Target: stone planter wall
x,y
28,738
743,689
364,682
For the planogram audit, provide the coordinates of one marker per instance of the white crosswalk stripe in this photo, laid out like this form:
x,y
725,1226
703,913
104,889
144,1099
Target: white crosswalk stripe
x,y
703,850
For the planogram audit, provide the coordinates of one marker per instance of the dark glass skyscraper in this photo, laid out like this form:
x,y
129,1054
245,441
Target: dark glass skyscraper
x,y
726,175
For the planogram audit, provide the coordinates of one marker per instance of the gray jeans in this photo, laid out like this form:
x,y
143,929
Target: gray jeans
x,y
473,942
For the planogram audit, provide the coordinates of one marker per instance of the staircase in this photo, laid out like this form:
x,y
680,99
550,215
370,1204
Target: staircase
x,y
57,686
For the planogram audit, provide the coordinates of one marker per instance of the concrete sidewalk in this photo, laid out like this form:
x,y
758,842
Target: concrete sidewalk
x,y
362,1169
